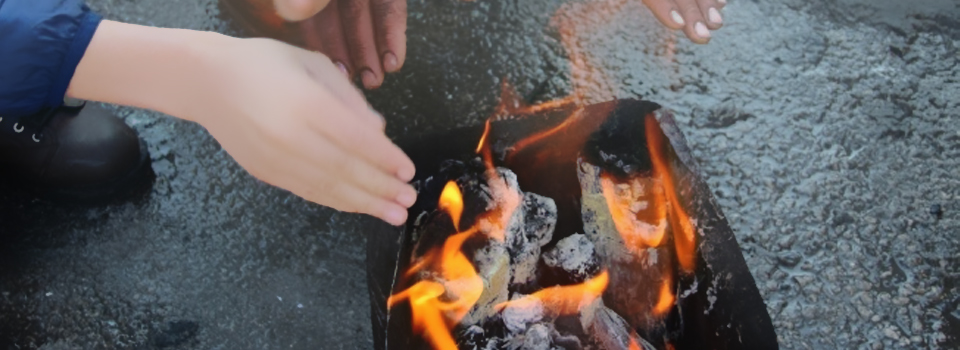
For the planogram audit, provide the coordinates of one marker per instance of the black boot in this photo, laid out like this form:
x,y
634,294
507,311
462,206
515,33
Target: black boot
x,y
75,153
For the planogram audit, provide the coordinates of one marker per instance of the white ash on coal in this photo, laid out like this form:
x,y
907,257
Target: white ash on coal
x,y
537,337
522,311
574,257
540,219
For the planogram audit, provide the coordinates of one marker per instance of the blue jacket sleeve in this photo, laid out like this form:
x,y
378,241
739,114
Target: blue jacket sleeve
x,y
41,43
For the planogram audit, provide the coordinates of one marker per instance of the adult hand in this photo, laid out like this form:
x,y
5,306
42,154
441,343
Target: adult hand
x,y
696,17
365,38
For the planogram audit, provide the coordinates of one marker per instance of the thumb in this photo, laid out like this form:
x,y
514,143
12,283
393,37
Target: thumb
x,y
298,10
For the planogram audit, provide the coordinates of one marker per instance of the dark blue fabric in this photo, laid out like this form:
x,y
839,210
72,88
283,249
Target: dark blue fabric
x,y
41,44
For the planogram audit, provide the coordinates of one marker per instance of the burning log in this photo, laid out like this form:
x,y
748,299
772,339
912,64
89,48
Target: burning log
x,y
612,332
633,249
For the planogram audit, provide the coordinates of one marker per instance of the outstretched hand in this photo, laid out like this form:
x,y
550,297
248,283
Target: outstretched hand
x,y
364,38
285,114
292,119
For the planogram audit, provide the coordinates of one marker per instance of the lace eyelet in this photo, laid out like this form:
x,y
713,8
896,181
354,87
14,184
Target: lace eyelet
x,y
35,138
17,128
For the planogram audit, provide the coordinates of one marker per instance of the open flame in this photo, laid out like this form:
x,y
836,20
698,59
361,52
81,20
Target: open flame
x,y
638,211
667,298
451,201
437,305
566,300
684,236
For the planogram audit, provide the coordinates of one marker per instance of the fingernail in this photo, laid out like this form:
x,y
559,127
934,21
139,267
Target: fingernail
x,y
701,30
390,62
406,174
407,198
676,17
722,2
343,69
715,16
395,216
369,79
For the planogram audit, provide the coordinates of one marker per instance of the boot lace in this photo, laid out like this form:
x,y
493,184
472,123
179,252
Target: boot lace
x,y
38,121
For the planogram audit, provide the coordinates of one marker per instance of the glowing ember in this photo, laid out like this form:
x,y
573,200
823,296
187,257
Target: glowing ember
x,y
634,345
567,300
684,236
638,212
666,298
438,305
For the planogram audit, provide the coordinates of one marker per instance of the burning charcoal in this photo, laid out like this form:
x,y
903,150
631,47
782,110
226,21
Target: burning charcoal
x,y
473,338
537,337
493,266
573,256
567,342
640,259
539,220
522,311
614,333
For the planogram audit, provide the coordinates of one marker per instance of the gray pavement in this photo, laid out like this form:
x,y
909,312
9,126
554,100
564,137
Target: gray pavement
x,y
827,129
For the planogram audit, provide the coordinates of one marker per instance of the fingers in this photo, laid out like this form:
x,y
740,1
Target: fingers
x,y
363,202
710,10
298,10
695,25
374,181
666,12
325,34
390,17
337,176
359,32
325,73
696,17
369,144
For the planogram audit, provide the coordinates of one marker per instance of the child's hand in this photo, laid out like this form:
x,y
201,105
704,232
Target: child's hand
x,y
285,114
292,119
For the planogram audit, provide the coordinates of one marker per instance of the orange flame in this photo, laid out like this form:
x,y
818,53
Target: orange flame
x,y
684,236
634,345
625,210
666,297
437,306
451,201
483,138
575,116
567,300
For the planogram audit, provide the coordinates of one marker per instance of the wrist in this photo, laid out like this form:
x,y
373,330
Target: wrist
x,y
167,70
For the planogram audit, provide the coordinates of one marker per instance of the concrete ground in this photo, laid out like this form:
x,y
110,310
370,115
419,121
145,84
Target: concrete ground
x,y
828,130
